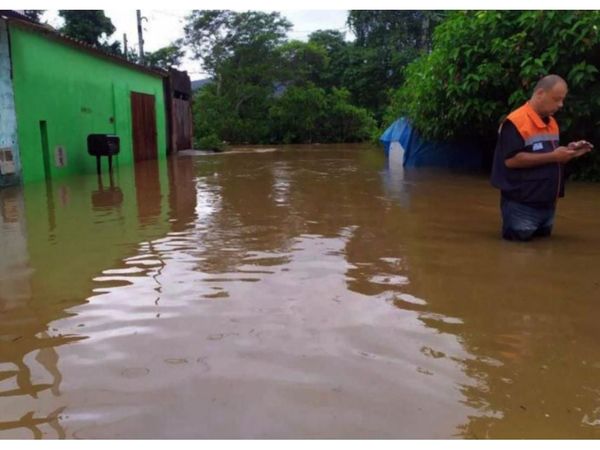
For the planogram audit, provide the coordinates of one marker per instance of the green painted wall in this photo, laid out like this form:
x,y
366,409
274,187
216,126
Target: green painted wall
x,y
76,93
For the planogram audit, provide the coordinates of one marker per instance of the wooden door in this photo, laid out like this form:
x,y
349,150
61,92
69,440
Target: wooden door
x,y
143,120
182,124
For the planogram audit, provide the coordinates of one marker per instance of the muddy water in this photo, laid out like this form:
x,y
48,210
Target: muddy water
x,y
293,293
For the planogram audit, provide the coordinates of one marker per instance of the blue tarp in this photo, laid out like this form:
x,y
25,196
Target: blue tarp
x,y
421,153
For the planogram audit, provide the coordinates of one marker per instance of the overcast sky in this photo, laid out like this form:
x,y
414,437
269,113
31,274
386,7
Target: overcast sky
x,y
164,26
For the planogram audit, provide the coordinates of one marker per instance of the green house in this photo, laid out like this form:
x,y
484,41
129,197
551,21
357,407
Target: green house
x,y
55,91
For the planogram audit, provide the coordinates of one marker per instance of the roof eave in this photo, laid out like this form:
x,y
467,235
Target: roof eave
x,y
85,47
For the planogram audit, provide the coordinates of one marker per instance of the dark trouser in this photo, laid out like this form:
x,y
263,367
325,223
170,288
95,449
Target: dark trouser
x,y
521,222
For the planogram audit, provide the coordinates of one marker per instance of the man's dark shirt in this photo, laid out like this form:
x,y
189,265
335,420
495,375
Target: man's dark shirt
x,y
510,142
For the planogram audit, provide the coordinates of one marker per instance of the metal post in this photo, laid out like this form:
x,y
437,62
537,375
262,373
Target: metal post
x,y
125,45
140,35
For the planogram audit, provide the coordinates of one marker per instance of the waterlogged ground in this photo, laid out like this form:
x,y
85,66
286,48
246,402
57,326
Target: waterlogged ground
x,y
300,292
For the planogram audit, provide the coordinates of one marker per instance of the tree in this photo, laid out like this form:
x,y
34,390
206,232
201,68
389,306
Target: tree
x,y
485,63
114,48
34,14
241,52
165,57
395,29
336,50
296,115
345,122
386,41
331,40
215,36
90,26
367,78
302,62
269,90
306,114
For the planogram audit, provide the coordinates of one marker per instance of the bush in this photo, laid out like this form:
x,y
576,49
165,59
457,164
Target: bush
x,y
210,142
345,122
208,112
296,116
310,114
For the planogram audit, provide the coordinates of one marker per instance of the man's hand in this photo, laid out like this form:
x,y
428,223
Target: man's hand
x,y
577,145
563,154
523,160
580,148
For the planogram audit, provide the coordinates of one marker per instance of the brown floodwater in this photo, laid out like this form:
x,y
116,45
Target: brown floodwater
x,y
293,292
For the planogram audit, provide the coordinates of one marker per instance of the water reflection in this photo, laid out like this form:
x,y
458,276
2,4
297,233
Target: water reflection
x,y
22,327
396,182
29,422
107,197
337,299
52,245
524,317
148,191
275,259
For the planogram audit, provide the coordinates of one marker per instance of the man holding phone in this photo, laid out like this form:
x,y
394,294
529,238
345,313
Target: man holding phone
x,y
529,164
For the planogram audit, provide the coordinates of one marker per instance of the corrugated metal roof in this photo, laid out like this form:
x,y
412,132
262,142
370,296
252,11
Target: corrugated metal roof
x,y
16,18
14,13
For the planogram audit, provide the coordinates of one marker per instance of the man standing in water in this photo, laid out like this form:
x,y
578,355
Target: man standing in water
x,y
529,164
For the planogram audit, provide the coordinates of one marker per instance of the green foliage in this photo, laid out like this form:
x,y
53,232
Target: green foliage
x,y
239,116
295,116
485,63
310,114
209,112
302,114
302,63
241,51
113,47
345,122
336,50
216,36
395,29
210,142
269,90
86,25
331,41
386,41
166,57
92,27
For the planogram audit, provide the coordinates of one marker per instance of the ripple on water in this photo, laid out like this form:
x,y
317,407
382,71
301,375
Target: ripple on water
x,y
397,280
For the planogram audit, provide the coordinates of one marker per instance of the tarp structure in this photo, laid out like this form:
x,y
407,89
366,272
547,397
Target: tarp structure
x,y
404,144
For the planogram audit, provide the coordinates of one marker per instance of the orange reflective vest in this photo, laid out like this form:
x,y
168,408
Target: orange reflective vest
x,y
540,185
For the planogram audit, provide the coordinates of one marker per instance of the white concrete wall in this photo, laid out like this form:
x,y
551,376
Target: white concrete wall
x,y
9,148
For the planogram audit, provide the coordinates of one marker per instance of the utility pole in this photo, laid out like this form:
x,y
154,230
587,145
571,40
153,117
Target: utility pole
x,y
140,36
125,45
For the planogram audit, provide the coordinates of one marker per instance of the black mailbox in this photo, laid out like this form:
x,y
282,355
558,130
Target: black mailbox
x,y
103,145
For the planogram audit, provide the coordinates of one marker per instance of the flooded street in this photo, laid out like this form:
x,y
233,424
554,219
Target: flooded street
x,y
296,292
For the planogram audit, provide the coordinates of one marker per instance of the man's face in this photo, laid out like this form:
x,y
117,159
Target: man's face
x,y
551,100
